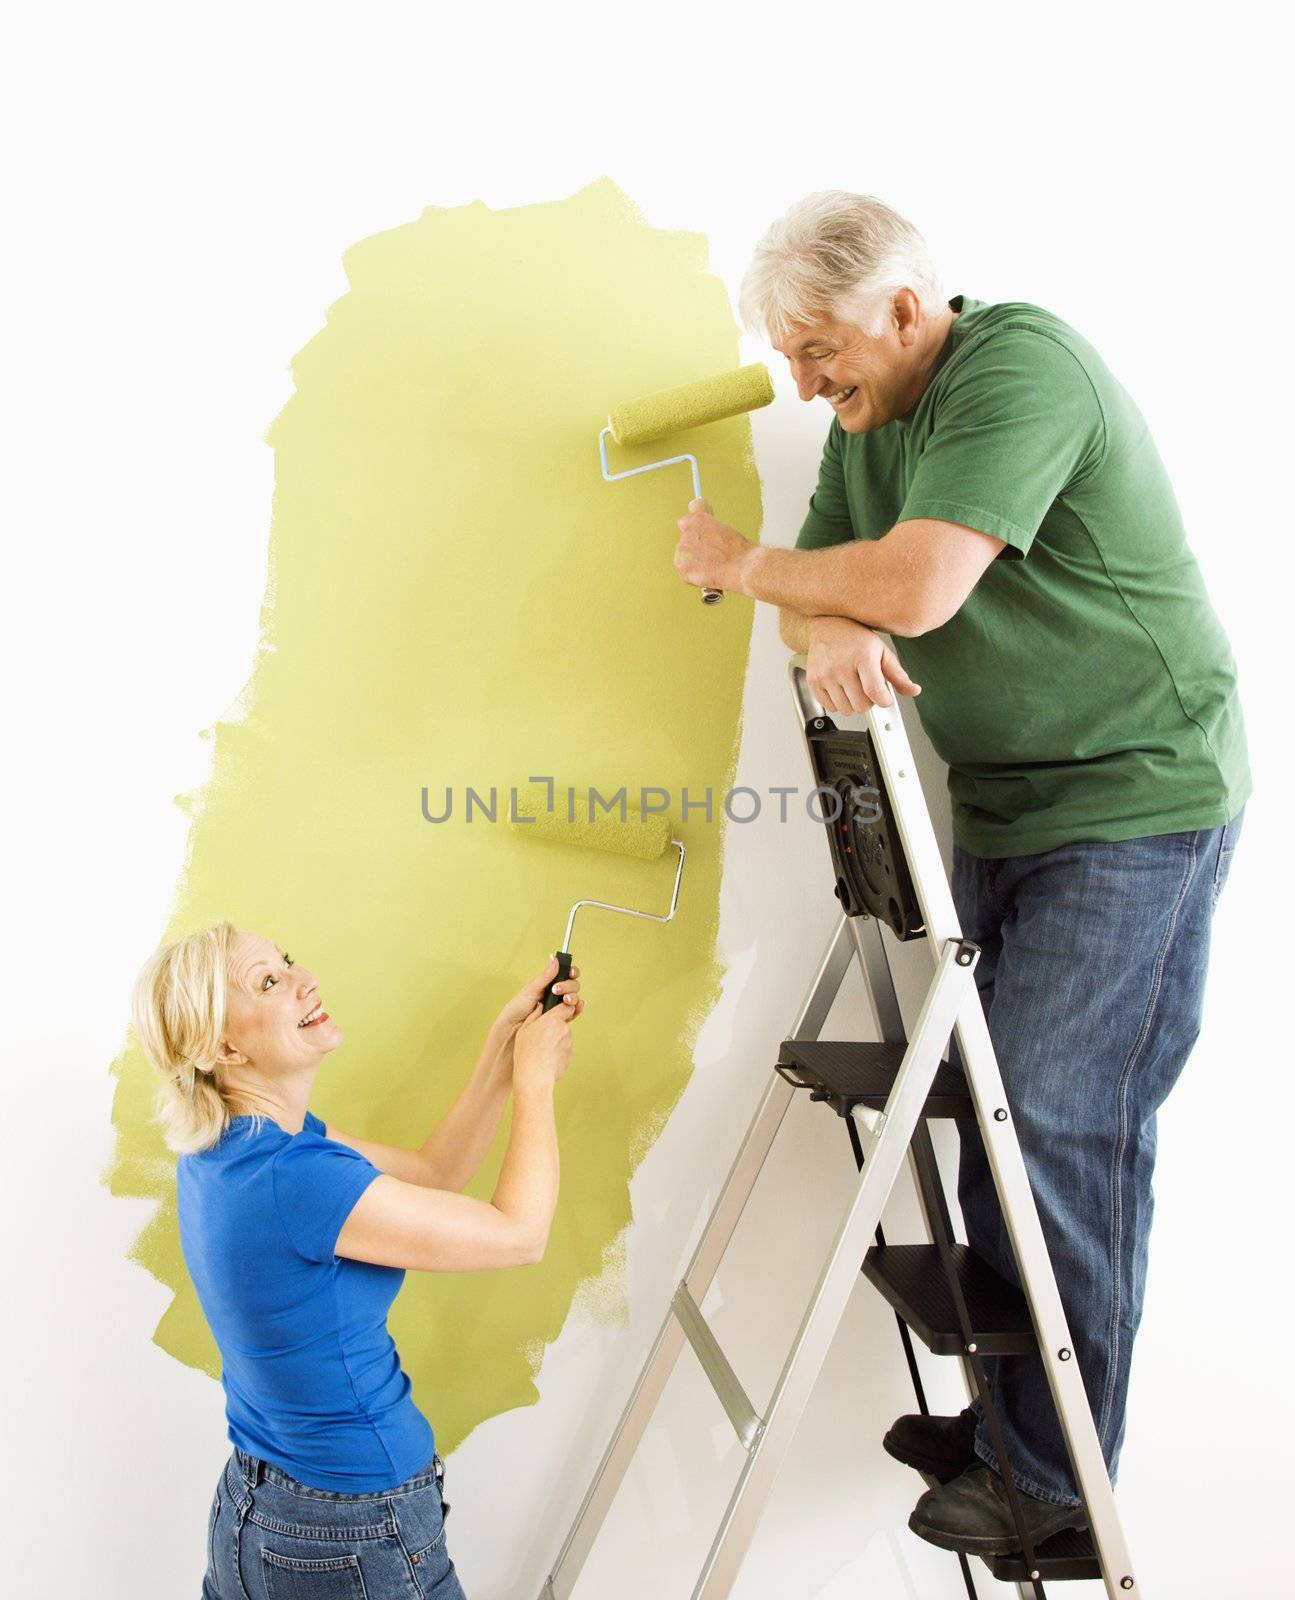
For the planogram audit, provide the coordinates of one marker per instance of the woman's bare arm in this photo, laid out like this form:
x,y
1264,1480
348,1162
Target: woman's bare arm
x,y
461,1140
455,1148
458,1144
398,1224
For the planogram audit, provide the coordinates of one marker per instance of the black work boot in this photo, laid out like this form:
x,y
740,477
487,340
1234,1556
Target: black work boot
x,y
972,1514
943,1447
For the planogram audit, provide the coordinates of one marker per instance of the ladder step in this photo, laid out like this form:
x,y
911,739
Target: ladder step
x,y
1062,1557
847,1073
911,1276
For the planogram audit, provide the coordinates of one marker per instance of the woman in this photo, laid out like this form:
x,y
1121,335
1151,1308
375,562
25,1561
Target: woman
x,y
297,1237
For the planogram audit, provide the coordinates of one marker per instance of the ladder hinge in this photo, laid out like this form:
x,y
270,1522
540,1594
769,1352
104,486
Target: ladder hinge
x,y
873,1122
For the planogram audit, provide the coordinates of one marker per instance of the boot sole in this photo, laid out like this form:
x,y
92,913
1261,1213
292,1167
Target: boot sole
x,y
993,1544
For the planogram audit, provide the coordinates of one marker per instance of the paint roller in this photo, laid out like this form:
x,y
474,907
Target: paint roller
x,y
647,839
671,411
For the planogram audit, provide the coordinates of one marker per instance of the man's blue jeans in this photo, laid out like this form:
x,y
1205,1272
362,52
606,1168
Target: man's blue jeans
x,y
1091,976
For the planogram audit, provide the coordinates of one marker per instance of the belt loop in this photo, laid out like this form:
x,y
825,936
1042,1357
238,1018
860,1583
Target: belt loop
x,y
250,1467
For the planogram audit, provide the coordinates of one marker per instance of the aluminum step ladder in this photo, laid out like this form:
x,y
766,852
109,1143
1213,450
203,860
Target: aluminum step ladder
x,y
888,869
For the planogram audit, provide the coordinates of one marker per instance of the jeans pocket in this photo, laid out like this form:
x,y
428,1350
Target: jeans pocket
x,y
1227,848
311,1578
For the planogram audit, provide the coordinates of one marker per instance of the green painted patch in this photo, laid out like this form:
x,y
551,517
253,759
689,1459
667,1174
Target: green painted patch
x,y
457,598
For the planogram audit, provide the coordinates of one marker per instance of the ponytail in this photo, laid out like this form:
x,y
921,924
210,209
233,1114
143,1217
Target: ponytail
x,y
179,1013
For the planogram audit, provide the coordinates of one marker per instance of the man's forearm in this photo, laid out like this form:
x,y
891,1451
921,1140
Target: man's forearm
x,y
858,580
459,1142
797,630
794,628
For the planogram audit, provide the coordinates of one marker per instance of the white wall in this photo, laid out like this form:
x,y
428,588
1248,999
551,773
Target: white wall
x,y
182,186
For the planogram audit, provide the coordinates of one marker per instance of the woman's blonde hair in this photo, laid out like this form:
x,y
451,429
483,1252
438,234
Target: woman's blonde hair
x,y
179,1013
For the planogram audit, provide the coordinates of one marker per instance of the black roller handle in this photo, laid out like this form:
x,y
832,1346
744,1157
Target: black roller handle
x,y
564,972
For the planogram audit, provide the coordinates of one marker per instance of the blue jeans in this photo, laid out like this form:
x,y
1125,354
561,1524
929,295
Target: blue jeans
x,y
1091,976
272,1538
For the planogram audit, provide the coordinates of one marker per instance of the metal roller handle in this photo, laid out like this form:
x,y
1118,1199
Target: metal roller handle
x,y
709,597
629,911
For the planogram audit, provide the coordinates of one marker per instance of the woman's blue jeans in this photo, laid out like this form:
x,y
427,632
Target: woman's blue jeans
x,y
1091,975
272,1538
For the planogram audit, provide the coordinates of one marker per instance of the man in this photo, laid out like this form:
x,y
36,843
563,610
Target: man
x,y
990,497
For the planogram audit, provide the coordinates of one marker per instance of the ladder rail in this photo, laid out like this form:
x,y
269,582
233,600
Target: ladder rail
x,y
669,1341
611,1469
1039,1285
1007,1164
706,1257
932,1202
839,1273
813,1013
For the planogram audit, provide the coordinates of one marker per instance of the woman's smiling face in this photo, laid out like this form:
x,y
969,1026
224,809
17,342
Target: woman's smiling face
x,y
274,1017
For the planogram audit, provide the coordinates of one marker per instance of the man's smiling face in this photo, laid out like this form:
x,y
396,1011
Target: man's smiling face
x,y
867,379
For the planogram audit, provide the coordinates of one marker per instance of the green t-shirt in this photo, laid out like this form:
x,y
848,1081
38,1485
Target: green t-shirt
x,y
1085,690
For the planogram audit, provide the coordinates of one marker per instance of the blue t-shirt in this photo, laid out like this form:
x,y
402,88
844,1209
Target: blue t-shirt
x,y
312,1380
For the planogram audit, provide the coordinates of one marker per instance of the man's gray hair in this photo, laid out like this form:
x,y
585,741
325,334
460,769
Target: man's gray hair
x,y
840,255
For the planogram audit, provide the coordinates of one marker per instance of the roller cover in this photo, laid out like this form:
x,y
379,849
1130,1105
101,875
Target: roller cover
x,y
646,839
692,404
